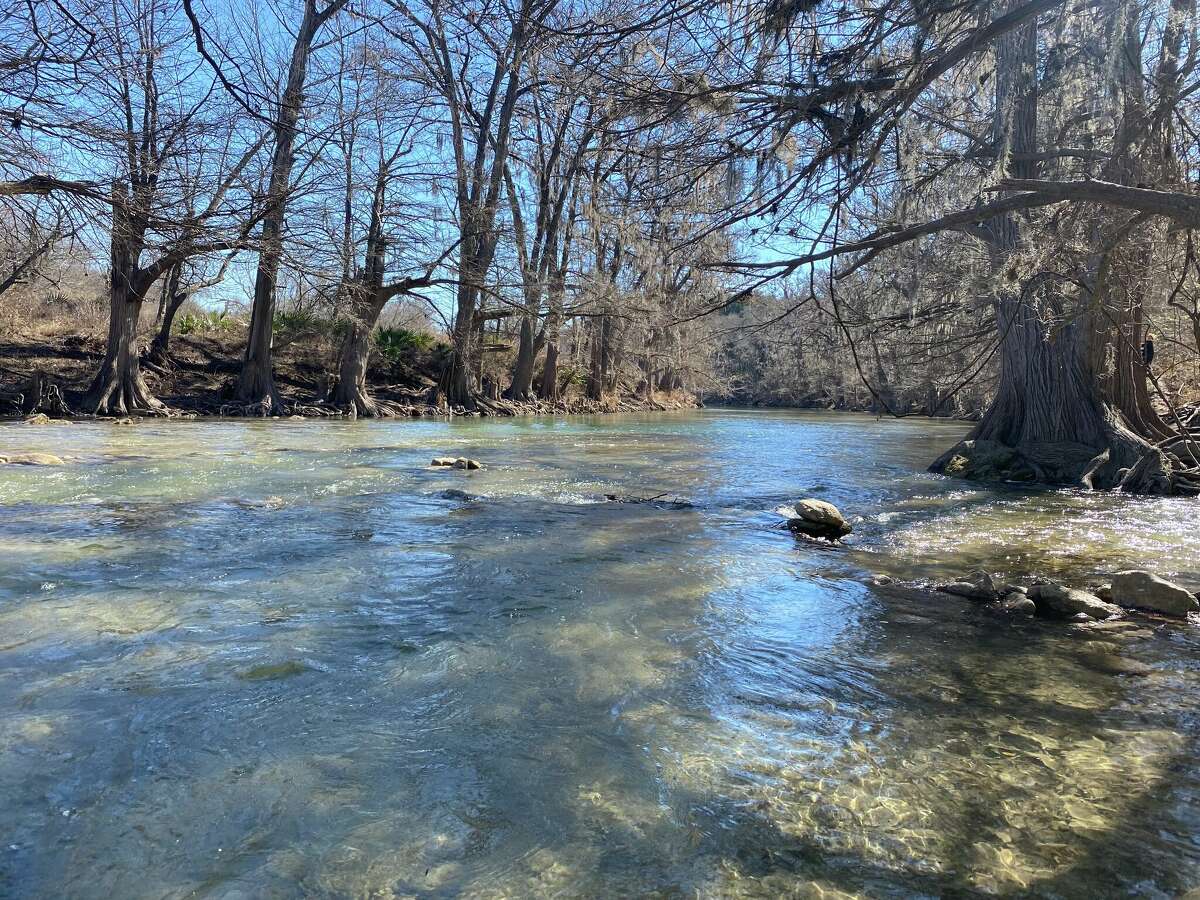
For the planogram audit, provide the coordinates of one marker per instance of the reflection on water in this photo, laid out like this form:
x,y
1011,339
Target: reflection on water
x,y
246,659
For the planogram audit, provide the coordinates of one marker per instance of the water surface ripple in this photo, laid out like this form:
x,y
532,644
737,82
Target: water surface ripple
x,y
244,659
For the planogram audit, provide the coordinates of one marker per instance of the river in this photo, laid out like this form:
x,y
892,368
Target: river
x,y
245,659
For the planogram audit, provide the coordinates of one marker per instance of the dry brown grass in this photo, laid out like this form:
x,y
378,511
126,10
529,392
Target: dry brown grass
x,y
74,301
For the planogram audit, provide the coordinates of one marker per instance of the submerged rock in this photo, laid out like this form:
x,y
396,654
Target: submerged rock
x,y
1101,659
272,671
1119,628
32,459
1018,602
261,503
909,619
1066,602
963,589
455,494
1146,591
981,586
816,518
1116,625
984,461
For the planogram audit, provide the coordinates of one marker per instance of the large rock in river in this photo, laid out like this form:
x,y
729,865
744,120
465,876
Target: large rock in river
x,y
1066,602
1146,591
817,518
32,459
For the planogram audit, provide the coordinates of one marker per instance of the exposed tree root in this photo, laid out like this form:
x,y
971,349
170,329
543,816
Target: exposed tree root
x,y
158,359
38,395
114,393
1127,464
255,392
358,403
263,409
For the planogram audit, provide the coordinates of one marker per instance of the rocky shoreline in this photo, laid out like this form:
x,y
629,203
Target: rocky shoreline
x,y
1137,604
1133,589
1106,607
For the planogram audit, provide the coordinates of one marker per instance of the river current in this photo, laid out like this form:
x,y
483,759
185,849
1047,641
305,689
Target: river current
x,y
245,659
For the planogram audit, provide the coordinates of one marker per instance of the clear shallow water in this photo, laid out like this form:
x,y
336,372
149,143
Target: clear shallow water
x,y
269,659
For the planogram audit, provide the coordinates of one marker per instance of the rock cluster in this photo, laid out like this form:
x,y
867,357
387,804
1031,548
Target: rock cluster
x,y
983,587
455,462
1129,590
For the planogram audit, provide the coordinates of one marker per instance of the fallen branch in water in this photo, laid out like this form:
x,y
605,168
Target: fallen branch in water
x,y
657,499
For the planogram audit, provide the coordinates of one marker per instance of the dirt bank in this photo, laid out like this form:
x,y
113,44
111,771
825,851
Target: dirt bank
x,y
196,381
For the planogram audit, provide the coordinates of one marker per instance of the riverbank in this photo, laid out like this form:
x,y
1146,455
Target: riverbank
x,y
195,381
855,404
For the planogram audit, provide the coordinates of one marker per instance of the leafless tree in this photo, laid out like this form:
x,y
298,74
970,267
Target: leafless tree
x,y
256,384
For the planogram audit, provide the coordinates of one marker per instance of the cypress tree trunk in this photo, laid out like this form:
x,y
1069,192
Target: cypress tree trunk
x,y
528,347
548,388
173,299
614,351
1049,421
1062,413
478,197
457,383
1127,267
598,368
118,388
366,299
351,388
256,383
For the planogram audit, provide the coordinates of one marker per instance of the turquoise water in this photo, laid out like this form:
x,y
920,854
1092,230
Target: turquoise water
x,y
245,659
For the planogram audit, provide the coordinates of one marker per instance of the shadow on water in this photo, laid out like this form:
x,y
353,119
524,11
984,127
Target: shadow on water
x,y
317,677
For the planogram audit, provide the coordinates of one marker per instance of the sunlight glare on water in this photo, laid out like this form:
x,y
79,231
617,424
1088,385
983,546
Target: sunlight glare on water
x,y
243,659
